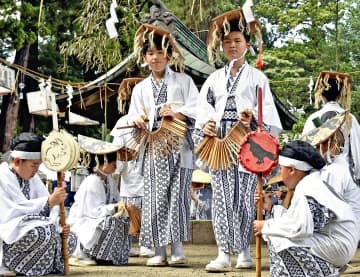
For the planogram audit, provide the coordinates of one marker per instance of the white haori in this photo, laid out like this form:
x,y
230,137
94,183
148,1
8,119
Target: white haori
x,y
337,175
132,182
90,209
180,89
15,207
245,98
293,227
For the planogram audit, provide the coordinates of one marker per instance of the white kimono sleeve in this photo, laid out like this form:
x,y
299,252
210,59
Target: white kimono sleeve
x,y
205,111
190,94
355,145
293,224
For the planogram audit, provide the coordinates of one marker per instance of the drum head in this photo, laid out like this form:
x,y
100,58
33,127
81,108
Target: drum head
x,y
259,152
59,151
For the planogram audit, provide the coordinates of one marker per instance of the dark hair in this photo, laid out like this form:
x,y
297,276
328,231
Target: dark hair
x,y
303,151
158,44
333,92
101,158
234,27
26,141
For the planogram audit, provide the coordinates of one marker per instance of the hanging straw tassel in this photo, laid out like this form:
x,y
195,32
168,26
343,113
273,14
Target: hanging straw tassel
x,y
163,140
220,154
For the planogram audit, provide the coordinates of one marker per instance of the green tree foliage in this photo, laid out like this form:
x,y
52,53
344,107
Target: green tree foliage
x,y
93,46
15,33
58,27
306,35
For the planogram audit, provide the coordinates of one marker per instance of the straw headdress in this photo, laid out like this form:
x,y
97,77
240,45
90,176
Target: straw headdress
x,y
124,91
94,146
200,176
220,26
146,34
334,83
275,179
329,131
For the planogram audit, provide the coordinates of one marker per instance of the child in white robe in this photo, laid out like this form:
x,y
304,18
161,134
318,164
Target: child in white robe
x,y
333,91
228,95
94,216
164,94
30,233
317,234
329,139
131,180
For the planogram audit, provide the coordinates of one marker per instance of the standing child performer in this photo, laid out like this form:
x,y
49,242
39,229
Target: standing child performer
x,y
226,97
131,180
96,214
172,95
333,90
30,232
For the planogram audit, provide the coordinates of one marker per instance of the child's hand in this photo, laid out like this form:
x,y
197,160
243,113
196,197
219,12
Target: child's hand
x,y
265,197
141,122
209,129
258,225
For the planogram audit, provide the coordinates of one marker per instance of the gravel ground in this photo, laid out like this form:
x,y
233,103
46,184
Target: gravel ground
x,y
198,256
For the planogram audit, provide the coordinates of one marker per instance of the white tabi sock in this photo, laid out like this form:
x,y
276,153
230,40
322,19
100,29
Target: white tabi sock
x,y
160,251
177,249
223,256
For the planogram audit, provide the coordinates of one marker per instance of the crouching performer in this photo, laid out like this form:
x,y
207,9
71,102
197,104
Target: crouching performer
x,y
317,234
100,222
30,232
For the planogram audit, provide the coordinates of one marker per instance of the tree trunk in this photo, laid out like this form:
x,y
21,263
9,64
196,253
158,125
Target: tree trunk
x,y
25,119
10,105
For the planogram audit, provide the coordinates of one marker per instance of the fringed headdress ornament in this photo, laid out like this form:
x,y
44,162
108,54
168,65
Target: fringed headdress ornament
x,y
146,33
97,147
200,176
221,26
124,92
333,131
334,83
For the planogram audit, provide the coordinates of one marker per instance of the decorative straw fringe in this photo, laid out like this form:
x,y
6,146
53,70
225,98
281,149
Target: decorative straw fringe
x,y
163,140
345,94
220,154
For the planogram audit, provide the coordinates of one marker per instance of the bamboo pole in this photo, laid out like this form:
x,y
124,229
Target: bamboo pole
x,y
259,216
60,179
259,189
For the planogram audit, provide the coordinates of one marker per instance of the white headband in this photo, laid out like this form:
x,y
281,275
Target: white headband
x,y
26,155
300,165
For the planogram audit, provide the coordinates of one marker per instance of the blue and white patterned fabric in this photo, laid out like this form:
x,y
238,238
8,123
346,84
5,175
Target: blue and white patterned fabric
x,y
317,225
299,262
113,244
166,201
30,236
101,236
38,252
321,215
233,209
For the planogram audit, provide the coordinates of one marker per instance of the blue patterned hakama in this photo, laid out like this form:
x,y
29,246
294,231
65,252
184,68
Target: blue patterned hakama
x,y
38,252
